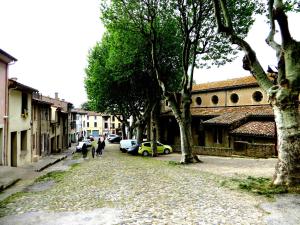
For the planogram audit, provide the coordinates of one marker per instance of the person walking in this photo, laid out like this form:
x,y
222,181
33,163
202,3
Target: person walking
x,y
101,146
93,152
84,150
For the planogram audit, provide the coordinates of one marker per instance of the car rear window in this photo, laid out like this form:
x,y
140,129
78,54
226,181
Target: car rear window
x,y
147,145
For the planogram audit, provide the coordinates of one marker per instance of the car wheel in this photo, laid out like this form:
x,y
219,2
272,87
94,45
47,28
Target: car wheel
x,y
166,151
145,153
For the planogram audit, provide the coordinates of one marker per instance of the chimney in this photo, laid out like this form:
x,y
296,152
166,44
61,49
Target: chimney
x,y
56,95
14,78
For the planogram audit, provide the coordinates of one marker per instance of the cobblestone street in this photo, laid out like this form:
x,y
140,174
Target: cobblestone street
x,y
118,188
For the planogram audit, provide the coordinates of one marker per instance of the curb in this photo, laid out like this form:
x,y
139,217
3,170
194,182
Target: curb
x,y
50,164
11,183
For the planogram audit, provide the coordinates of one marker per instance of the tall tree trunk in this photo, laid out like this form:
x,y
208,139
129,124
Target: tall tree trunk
x,y
140,131
154,134
123,131
154,142
184,122
187,117
186,148
130,132
149,129
287,170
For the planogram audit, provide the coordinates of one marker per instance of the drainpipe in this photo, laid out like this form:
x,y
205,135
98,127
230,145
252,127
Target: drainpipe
x,y
6,117
6,113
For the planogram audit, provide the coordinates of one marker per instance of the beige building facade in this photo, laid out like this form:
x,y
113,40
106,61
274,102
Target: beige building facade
x,y
5,60
40,131
96,124
19,148
59,123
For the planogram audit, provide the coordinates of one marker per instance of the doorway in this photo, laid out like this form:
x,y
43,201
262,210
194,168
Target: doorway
x,y
13,149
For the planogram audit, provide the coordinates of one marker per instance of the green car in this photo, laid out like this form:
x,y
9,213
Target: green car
x,y
145,148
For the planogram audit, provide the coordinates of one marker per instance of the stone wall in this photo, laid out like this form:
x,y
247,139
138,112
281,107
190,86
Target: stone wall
x,y
240,149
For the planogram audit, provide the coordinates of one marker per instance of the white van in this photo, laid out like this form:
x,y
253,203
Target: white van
x,y
127,143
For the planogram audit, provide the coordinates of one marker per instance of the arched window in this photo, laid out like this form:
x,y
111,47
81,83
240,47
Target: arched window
x,y
215,99
257,96
234,98
198,100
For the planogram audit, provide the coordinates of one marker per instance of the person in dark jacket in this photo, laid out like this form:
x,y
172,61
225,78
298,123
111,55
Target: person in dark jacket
x,y
84,150
101,146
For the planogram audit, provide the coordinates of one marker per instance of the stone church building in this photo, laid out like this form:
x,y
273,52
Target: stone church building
x,y
230,117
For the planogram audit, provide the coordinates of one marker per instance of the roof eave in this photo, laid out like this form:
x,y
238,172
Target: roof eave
x,y
7,58
226,88
21,87
252,135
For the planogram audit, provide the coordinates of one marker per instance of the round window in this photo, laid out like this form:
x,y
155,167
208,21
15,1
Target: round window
x,y
234,98
215,99
257,96
198,100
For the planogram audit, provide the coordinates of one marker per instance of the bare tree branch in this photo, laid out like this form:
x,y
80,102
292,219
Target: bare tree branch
x,y
250,55
281,17
270,39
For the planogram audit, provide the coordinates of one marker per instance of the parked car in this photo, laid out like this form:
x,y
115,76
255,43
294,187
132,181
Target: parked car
x,y
126,144
113,138
145,148
88,142
133,150
79,146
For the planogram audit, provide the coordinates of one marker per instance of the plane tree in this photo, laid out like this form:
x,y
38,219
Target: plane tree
x,y
283,92
117,82
187,30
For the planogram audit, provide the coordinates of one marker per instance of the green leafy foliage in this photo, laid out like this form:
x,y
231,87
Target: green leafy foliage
x,y
259,185
118,80
85,106
57,176
292,5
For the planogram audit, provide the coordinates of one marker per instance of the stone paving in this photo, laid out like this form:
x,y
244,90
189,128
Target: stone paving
x,y
122,189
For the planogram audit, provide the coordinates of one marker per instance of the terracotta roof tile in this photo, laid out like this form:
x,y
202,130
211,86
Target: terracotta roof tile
x,y
256,128
236,82
62,105
258,110
253,110
227,118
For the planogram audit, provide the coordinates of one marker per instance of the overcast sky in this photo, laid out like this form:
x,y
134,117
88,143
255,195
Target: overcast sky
x,y
51,39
